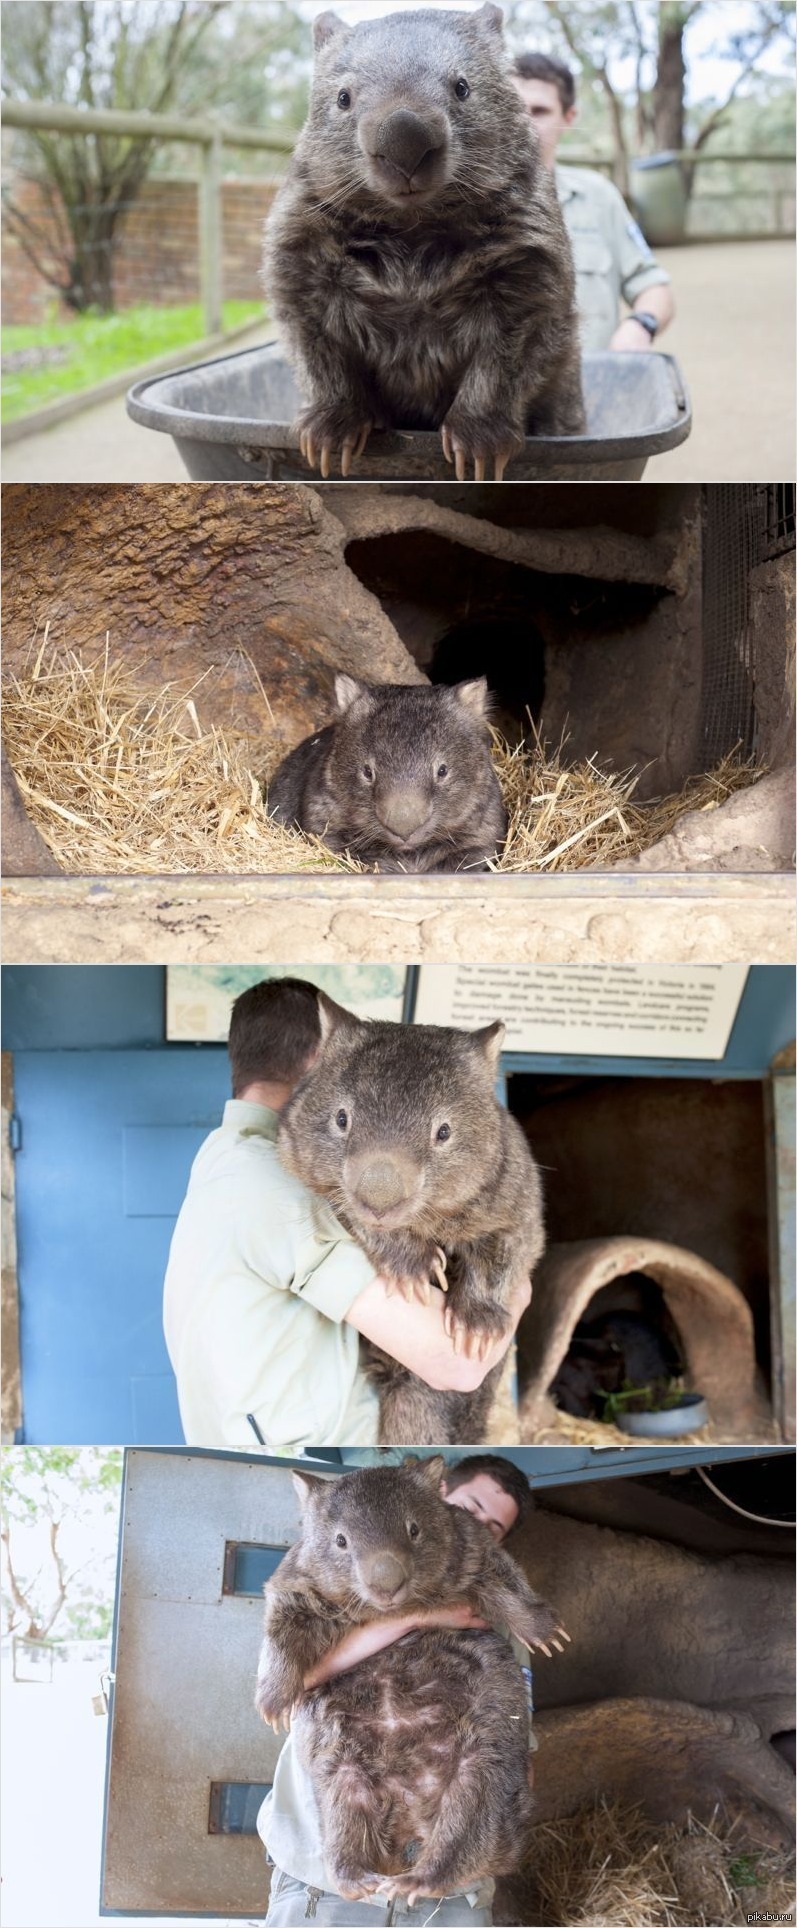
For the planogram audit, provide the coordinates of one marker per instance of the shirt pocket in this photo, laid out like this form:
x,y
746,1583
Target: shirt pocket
x,y
596,275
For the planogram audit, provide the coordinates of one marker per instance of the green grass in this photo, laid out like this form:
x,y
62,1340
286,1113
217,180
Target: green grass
x,y
102,345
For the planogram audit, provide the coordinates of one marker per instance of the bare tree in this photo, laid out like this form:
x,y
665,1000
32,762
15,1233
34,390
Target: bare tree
x,y
49,1487
128,54
656,39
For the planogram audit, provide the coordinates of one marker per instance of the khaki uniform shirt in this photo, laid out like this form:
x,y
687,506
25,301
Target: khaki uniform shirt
x,y
612,257
260,1277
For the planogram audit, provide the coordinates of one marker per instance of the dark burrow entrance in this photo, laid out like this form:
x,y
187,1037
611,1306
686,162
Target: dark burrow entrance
x,y
625,1338
564,652
681,1160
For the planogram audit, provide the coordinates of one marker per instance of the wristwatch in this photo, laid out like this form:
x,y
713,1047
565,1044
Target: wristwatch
x,y
648,321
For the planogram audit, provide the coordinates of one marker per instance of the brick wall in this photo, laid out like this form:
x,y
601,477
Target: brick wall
x,y
157,255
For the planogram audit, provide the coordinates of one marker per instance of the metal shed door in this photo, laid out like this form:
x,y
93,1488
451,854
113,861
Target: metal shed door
x,y
106,1144
189,1759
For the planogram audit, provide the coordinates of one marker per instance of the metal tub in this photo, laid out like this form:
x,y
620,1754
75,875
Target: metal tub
x,y
231,420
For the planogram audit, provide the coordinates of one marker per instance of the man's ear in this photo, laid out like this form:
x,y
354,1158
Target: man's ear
x,y
326,26
306,1486
349,690
489,1042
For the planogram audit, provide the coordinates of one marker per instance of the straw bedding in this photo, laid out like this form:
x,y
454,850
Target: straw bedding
x,y
609,1867
118,783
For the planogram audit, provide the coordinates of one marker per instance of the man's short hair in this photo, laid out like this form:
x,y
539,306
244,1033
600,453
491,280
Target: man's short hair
x,y
505,1473
556,72
274,1031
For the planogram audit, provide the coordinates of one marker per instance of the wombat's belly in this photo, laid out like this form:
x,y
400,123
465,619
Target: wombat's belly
x,y
414,349
386,1743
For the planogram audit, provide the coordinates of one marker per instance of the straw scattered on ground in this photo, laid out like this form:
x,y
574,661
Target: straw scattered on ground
x,y
610,1867
565,1429
120,783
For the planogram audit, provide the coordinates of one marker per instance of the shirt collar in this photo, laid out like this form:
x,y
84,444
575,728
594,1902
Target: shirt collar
x,y
256,1120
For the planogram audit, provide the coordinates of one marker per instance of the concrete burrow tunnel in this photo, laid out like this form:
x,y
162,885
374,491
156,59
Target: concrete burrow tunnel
x,y
657,1265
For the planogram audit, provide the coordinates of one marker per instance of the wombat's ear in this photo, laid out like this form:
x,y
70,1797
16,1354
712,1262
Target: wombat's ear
x,y
348,690
326,25
306,1484
333,1017
474,696
491,17
489,1041
429,1470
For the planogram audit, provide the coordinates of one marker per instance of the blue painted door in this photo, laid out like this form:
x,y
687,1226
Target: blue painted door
x,y
107,1142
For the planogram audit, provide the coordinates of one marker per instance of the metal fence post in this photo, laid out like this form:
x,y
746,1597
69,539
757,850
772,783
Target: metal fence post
x,y
210,234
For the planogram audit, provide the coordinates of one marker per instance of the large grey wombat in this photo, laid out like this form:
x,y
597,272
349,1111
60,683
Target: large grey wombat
x,y
399,1127
419,1755
416,257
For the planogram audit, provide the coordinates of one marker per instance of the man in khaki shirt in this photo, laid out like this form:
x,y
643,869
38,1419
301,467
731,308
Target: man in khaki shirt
x,y
266,1295
612,259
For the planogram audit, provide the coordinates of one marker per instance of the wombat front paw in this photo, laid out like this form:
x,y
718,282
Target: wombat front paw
x,y
323,432
419,1285
543,1631
473,1325
482,441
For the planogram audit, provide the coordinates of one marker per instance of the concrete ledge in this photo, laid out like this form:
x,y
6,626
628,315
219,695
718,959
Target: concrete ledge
x,y
336,919
55,412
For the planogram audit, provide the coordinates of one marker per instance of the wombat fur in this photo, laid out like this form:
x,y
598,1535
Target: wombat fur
x,y
403,779
399,1127
416,257
418,1756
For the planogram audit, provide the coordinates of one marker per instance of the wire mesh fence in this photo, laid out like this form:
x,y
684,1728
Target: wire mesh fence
x,y
745,524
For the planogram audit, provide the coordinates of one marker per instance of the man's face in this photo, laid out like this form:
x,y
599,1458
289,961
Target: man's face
x,y
487,1501
544,108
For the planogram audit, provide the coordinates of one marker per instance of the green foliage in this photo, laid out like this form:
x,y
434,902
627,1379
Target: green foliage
x,y
743,1872
659,1396
88,348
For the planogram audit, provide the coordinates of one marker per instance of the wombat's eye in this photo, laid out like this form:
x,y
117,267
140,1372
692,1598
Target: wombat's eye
x,y
443,1133
341,1540
368,772
344,97
413,1530
462,89
341,1118
442,770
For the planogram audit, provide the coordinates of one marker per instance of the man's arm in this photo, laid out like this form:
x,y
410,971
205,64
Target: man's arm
x,y
414,1334
362,1642
659,301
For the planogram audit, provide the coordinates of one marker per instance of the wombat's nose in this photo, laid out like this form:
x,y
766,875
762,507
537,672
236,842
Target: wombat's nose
x,y
405,140
385,1574
402,812
380,1185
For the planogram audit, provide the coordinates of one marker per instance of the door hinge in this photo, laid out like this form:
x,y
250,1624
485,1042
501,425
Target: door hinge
x,y
15,1131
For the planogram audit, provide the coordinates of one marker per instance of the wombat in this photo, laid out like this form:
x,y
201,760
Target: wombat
x,y
403,780
616,1350
418,1756
416,257
399,1127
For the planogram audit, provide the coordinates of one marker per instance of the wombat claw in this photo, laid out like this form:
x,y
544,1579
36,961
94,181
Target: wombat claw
x,y
454,452
471,1342
438,1268
320,456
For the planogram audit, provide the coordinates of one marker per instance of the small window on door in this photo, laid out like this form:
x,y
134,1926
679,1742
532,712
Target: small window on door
x,y
248,1565
234,1806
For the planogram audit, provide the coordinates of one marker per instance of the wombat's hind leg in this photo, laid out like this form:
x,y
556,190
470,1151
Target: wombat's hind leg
x,y
325,431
